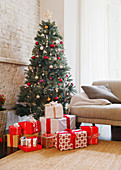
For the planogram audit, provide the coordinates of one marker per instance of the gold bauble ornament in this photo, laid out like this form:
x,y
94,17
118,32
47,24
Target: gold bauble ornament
x,y
30,68
37,96
39,65
48,99
42,74
46,27
36,77
35,84
59,95
60,66
50,66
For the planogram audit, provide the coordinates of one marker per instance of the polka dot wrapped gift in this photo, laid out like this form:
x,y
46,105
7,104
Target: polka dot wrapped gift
x,y
70,139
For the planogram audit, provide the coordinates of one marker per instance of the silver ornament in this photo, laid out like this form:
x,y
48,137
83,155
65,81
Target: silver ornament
x,y
41,48
57,41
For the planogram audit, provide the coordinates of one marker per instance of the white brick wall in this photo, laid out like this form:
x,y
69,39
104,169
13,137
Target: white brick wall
x,y
19,22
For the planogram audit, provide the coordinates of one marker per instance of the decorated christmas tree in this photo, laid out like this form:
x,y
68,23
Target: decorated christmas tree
x,y
48,77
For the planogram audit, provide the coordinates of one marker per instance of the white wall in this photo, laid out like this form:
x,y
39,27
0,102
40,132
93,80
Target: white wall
x,y
71,38
57,9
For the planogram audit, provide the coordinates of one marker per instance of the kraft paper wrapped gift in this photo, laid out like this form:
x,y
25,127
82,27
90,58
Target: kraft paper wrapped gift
x,y
55,125
12,141
53,110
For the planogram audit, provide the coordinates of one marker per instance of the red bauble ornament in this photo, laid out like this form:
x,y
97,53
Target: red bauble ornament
x,y
52,45
28,83
66,75
62,51
58,58
45,57
37,43
58,84
50,78
61,42
72,84
33,57
56,98
60,80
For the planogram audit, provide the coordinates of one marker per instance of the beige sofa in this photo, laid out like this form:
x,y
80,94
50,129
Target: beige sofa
x,y
98,114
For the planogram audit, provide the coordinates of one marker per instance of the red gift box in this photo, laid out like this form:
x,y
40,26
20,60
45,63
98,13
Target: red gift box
x,y
15,130
30,127
92,134
70,139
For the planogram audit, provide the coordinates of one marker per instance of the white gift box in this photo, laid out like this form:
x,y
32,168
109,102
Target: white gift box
x,y
57,125
27,141
53,110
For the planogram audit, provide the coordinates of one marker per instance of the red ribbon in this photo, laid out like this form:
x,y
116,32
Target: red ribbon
x,y
73,136
11,140
68,121
1,140
32,139
48,125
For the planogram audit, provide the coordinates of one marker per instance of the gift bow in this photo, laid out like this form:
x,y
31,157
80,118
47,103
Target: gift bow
x,y
30,119
73,135
51,103
48,135
16,125
94,135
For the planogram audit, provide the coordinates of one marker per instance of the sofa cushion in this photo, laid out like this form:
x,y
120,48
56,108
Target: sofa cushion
x,y
100,92
109,112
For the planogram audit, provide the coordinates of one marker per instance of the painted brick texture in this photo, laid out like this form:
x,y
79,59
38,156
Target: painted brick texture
x,y
19,22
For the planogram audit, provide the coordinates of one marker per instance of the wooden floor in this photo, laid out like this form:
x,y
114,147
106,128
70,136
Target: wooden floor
x,y
106,155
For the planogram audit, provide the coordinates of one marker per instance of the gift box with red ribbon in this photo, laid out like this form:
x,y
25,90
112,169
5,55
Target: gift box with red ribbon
x,y
57,125
30,127
92,134
15,129
53,110
47,140
70,139
29,144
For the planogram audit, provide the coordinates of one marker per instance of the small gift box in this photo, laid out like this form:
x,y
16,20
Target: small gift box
x,y
57,125
47,140
30,126
30,142
70,139
12,141
53,110
15,129
92,134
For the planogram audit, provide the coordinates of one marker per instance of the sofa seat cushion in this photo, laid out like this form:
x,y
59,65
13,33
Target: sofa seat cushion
x,y
109,112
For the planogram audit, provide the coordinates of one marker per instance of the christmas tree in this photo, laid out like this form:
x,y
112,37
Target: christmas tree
x,y
48,77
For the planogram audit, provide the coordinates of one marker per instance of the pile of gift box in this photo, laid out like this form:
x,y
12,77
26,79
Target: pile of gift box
x,y
53,130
